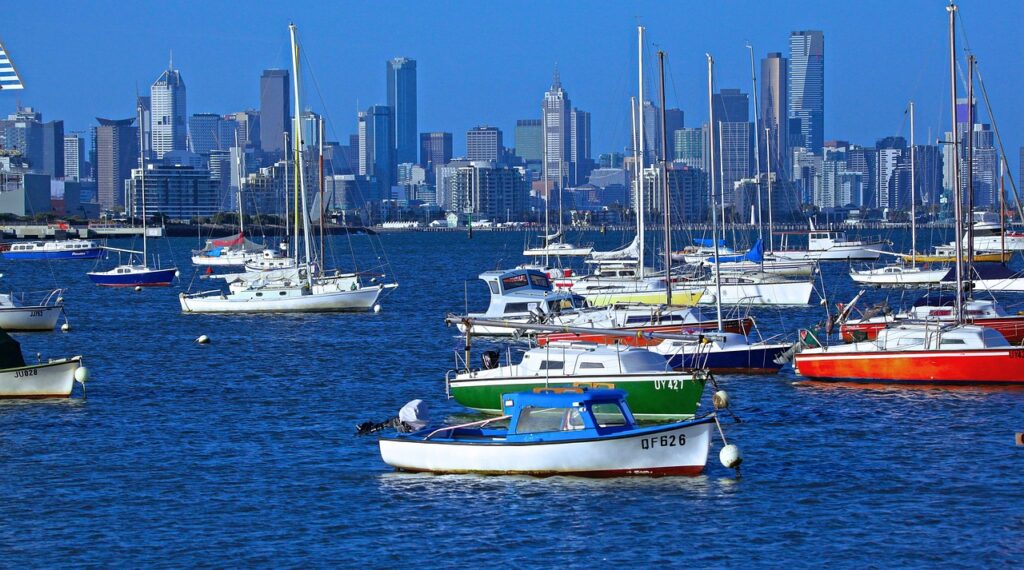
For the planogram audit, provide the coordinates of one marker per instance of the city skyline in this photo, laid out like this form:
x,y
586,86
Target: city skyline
x,y
460,88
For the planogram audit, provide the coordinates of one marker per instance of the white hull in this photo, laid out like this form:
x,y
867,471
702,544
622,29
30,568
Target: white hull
x,y
558,251
230,259
906,276
284,300
51,380
1012,242
837,253
629,454
794,293
775,267
39,318
1013,285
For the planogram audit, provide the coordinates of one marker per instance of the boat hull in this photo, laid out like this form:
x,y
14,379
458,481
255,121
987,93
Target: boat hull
x,y
749,360
980,366
794,293
151,278
740,326
359,300
839,253
997,257
38,318
52,380
91,253
905,278
651,396
679,449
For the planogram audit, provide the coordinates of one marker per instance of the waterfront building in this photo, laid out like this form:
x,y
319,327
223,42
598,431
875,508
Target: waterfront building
x,y
117,153
401,85
864,161
488,190
168,119
177,192
807,87
74,154
40,144
275,111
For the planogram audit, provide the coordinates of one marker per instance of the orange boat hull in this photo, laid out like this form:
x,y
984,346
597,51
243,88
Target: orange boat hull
x,y
981,366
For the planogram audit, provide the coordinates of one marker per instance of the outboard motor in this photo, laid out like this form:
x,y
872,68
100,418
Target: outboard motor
x,y
412,416
489,359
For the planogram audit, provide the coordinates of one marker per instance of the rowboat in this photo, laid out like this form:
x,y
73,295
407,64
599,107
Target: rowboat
x,y
589,433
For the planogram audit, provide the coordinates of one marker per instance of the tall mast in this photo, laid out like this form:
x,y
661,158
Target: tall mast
x,y
957,206
913,192
240,170
547,190
323,253
721,177
641,135
142,164
714,211
637,189
664,186
757,147
768,162
970,175
301,186
287,226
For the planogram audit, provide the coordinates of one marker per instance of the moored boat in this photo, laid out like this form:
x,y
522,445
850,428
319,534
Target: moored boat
x,y
589,433
53,249
52,379
20,313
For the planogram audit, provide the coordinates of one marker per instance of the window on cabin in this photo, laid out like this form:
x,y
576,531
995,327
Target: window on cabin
x,y
494,287
608,414
910,341
543,420
953,341
590,365
517,308
551,364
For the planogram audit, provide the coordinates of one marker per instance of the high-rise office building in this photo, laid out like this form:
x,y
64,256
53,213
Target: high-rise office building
x,y
484,143
891,151
178,192
774,135
490,191
74,155
376,158
673,122
734,141
204,133
275,111
248,129
865,161
730,106
652,132
41,144
689,147
435,149
928,171
401,84
579,147
53,149
169,129
807,87
530,141
116,154
144,105
556,125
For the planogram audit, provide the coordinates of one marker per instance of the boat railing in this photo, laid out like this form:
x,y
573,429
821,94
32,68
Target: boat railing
x,y
479,423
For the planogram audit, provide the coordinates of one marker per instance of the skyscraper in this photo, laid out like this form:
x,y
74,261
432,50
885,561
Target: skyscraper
x,y
41,144
807,86
435,149
530,141
774,113
144,104
402,100
275,113
484,143
734,137
673,122
168,119
556,125
579,147
376,157
74,153
116,154
689,148
204,132
53,149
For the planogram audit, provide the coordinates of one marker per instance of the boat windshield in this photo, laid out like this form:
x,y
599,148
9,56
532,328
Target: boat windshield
x,y
608,414
540,420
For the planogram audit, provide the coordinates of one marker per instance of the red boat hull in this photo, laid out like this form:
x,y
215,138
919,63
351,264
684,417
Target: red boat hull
x,y
741,326
981,366
1010,327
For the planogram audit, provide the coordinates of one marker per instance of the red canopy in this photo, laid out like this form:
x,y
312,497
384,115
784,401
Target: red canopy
x,y
228,242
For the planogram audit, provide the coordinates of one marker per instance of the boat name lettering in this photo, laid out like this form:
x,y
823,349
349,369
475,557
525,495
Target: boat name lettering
x,y
1017,353
668,440
36,314
669,384
24,373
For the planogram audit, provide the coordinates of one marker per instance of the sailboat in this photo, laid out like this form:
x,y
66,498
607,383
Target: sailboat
x,y
137,272
901,274
305,287
924,352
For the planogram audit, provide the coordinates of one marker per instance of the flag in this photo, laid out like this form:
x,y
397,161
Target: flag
x,y
9,78
809,338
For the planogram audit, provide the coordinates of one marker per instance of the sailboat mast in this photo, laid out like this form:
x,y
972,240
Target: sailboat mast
x,y
768,162
142,169
240,170
721,177
287,226
323,253
970,175
957,206
547,189
664,186
301,186
757,147
913,192
714,214
641,135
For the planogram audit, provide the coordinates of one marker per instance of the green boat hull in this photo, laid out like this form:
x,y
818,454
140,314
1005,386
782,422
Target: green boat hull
x,y
649,396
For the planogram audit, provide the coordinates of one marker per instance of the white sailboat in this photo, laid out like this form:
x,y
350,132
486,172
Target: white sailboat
x,y
305,287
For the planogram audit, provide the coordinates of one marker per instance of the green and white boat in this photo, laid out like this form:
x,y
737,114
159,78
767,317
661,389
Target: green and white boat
x,y
654,390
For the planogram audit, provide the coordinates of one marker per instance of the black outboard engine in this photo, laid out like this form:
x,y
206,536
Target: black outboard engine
x,y
489,359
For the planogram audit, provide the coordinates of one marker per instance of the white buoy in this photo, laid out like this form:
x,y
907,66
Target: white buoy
x,y
730,456
65,327
203,339
720,400
82,374
177,273
376,308
138,288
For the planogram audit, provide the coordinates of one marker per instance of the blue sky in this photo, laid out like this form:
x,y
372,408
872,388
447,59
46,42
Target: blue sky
x,y
490,62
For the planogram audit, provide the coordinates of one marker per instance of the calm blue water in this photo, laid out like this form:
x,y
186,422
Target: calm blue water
x,y
242,452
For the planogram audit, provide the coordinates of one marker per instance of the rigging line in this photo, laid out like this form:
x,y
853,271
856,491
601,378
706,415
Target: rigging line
x,y
999,138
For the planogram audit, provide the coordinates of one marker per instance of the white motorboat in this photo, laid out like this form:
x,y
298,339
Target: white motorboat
x,y
19,313
52,379
830,246
899,275
752,287
522,296
590,433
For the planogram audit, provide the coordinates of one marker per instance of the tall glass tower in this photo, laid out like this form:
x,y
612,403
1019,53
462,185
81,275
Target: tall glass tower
x,y
807,87
168,117
402,100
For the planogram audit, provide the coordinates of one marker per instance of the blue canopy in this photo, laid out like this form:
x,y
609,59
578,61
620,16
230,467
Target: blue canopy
x,y
704,242
756,255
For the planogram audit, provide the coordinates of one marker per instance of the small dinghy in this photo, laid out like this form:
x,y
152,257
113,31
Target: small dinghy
x,y
570,431
53,379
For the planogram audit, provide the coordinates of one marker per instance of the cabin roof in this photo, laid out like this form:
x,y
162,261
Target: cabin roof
x,y
561,398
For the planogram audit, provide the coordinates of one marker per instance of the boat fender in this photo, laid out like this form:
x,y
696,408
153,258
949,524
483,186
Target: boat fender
x,y
376,308
65,327
720,400
730,456
82,374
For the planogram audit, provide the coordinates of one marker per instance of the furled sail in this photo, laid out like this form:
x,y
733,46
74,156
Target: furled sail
x,y
631,251
9,78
